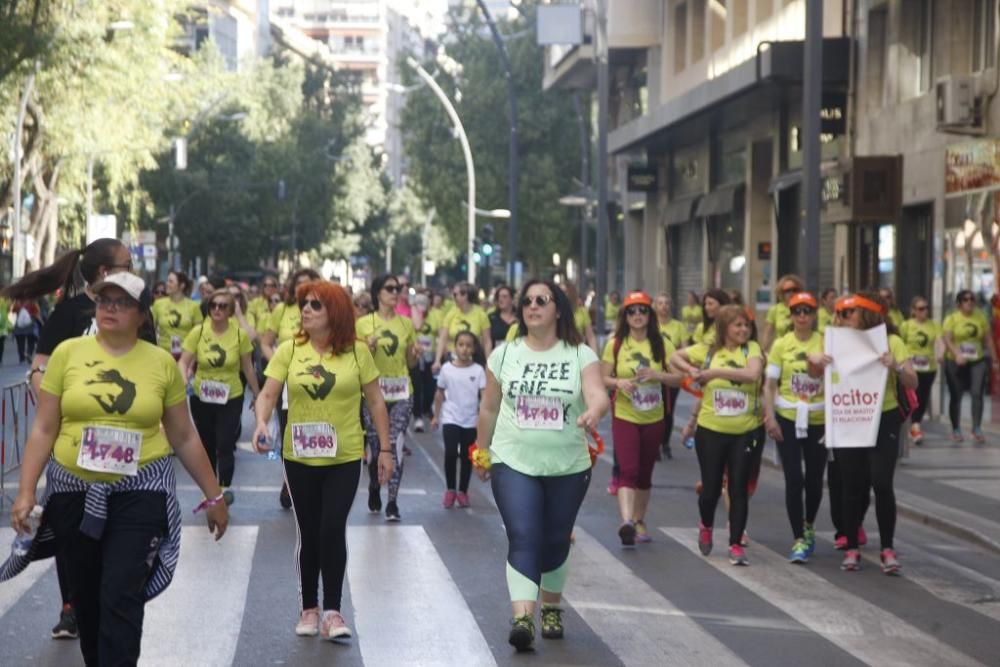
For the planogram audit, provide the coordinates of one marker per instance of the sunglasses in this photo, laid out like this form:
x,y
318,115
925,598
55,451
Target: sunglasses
x,y
392,289
637,310
159,292
315,304
803,311
460,292
218,305
846,312
115,304
920,308
541,301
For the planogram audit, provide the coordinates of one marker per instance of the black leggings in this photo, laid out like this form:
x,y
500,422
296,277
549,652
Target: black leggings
x,y
457,440
924,383
321,499
971,378
538,514
794,452
218,425
866,468
424,387
719,454
668,416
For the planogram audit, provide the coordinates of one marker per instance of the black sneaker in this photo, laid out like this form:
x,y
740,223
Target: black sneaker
x,y
374,499
284,498
552,627
66,627
522,633
392,511
627,534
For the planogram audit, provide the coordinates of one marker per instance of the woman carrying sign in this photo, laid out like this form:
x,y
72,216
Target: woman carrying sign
x,y
921,333
328,372
794,416
966,334
865,468
221,351
634,366
542,390
729,373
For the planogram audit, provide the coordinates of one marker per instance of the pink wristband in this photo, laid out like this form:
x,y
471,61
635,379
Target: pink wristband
x,y
208,503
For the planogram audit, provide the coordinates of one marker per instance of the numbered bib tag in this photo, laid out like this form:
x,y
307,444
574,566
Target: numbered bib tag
x,y
804,386
111,450
969,350
394,389
647,397
729,402
214,392
314,440
426,343
540,413
175,345
921,363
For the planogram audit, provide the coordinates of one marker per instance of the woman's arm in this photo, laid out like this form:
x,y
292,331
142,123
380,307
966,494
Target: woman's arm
x,y
588,335
442,346
489,409
38,449
438,400
380,417
267,340
487,342
184,364
949,343
908,376
246,363
770,423
595,396
990,345
184,440
682,362
750,373
767,336
264,406
244,324
37,362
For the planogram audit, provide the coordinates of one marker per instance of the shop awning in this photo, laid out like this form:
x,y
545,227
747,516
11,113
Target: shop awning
x,y
789,179
680,211
720,201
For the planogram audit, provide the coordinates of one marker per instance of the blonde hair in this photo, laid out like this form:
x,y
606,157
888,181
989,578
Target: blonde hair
x,y
723,320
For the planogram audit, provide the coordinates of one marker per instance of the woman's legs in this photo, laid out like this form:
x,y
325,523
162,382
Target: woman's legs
x,y
627,443
452,435
790,449
339,486
227,422
467,438
204,417
563,498
952,375
924,383
650,438
22,341
882,466
978,377
738,461
711,448
399,419
815,455
305,485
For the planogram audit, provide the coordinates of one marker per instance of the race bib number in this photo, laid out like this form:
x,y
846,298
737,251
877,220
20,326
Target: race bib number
x,y
969,350
394,389
110,450
540,413
314,440
804,386
214,392
921,363
175,345
647,397
729,402
426,343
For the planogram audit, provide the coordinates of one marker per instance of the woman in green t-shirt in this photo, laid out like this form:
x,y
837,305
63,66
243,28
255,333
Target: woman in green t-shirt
x,y
175,315
712,300
779,319
328,372
542,390
966,339
921,334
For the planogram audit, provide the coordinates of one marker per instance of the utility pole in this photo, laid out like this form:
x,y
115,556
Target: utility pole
x,y
812,101
17,251
601,55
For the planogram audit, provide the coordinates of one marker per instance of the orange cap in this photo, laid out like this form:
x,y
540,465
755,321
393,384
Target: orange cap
x,y
844,302
802,298
640,298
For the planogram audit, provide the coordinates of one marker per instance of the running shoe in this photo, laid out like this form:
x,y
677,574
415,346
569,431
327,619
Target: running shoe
x,y
978,437
308,625
852,561
613,487
449,499
737,556
522,633
800,552
916,434
334,626
66,627
462,499
418,425
890,565
407,451
627,534
228,496
642,535
552,626
956,435
392,512
745,539
704,539
284,498
840,543
374,499
809,535
862,536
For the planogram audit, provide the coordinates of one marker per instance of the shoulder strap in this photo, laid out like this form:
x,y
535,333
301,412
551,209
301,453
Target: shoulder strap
x,y
615,349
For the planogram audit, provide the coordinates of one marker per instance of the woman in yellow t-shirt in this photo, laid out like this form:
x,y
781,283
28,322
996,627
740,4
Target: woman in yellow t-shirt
x,y
467,315
110,479
176,315
221,349
921,334
710,303
863,469
826,310
966,338
673,331
729,373
691,313
328,372
779,319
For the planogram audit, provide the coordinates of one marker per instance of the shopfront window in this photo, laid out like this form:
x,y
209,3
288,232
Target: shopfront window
x,y
886,255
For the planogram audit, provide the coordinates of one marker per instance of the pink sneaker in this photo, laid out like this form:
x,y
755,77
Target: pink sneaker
x,y
334,626
449,499
463,499
841,543
308,625
613,487
737,556
862,536
704,539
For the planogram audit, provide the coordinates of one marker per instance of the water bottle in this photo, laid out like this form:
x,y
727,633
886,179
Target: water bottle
x,y
689,442
272,455
22,542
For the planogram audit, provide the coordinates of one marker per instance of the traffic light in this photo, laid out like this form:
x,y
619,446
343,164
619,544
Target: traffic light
x,y
487,243
477,254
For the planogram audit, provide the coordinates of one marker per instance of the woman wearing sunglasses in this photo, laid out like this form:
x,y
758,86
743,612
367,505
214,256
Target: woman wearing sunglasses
x,y
921,334
466,315
779,318
393,343
221,349
634,367
328,372
794,417
542,390
863,469
111,416
966,336
176,315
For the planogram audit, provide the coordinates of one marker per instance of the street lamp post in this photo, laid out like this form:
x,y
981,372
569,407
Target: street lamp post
x,y
470,170
601,55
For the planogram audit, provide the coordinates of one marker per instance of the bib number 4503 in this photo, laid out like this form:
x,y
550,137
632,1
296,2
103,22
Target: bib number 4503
x,y
314,440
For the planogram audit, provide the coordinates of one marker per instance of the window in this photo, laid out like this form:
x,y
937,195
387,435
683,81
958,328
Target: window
x,y
878,20
680,36
698,30
983,26
915,58
741,20
717,22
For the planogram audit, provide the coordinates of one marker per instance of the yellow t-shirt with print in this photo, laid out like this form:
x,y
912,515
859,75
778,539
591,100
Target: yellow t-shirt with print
x,y
326,390
581,318
700,336
512,333
395,337
900,354
128,392
824,318
779,316
674,332
427,333
173,321
920,338
896,317
475,321
692,316
728,407
285,322
789,355
967,333
218,356
645,405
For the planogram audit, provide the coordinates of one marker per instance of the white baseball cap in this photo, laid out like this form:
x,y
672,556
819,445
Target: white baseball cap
x,y
133,285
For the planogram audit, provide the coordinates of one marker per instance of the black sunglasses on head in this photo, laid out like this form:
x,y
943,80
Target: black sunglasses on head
x,y
846,312
315,304
968,298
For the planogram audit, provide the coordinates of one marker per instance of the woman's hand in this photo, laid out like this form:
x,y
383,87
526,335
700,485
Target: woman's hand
x,y
385,467
436,367
626,386
372,342
644,374
589,419
23,504
819,359
435,423
218,519
772,428
260,438
482,473
704,375
888,360
688,430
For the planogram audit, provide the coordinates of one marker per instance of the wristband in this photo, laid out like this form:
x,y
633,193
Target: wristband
x,y
479,457
209,503
385,451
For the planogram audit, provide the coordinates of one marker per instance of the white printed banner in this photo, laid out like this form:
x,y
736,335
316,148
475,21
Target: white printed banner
x,y
855,385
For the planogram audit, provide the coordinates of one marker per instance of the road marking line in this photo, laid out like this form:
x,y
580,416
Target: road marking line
x,y
11,591
276,489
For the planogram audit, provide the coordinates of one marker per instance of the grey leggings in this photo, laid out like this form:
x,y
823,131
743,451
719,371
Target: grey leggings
x,y
399,419
971,378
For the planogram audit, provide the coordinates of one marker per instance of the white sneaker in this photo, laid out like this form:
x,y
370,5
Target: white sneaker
x,y
418,425
334,626
308,625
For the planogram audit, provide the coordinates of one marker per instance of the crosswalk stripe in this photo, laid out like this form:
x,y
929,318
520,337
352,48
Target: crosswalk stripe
x,y
11,591
197,620
267,488
396,576
637,610
856,626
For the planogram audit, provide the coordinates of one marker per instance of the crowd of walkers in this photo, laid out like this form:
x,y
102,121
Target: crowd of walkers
x,y
517,382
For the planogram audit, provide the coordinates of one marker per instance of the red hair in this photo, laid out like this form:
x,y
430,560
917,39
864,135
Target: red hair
x,y
339,310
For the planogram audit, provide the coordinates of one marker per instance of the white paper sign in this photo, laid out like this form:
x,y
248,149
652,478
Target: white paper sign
x,y
855,386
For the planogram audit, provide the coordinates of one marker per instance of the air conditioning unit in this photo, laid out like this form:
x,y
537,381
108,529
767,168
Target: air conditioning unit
x,y
956,101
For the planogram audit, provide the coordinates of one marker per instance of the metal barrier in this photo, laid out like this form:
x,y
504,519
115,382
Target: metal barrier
x,y
17,412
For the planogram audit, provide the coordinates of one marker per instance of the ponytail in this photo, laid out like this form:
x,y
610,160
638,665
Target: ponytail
x,y
69,272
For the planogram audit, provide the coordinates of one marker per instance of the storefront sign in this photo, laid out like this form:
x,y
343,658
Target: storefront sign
x,y
642,178
863,189
973,165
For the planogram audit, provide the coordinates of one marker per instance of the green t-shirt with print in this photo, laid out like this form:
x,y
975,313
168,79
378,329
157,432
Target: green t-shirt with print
x,y
967,332
789,356
728,407
395,336
920,338
645,405
218,355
